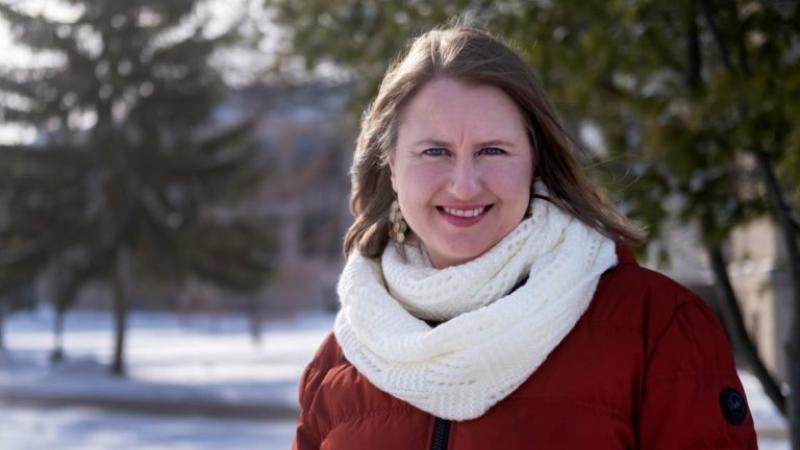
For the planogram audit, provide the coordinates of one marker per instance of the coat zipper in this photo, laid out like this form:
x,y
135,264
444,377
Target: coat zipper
x,y
441,434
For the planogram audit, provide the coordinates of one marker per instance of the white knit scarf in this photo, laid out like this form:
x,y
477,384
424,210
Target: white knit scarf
x,y
492,340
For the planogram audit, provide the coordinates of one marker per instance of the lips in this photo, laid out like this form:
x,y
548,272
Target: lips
x,y
463,216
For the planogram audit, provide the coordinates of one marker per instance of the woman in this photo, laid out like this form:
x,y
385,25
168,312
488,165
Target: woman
x,y
488,300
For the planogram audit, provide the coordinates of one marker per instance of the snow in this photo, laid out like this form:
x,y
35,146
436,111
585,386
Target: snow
x,y
192,359
91,428
765,415
195,382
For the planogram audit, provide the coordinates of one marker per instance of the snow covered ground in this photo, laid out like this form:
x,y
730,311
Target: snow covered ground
x,y
199,359
81,428
194,383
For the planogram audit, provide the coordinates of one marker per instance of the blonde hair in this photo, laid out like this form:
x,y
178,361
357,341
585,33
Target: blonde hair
x,y
471,55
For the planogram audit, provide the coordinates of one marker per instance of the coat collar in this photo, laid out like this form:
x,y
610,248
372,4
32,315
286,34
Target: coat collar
x,y
625,255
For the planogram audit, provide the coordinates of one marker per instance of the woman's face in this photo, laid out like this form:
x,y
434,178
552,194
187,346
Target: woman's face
x,y
462,168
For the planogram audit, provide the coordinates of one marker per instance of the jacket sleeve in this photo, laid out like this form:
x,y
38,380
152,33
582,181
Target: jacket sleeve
x,y
691,395
307,436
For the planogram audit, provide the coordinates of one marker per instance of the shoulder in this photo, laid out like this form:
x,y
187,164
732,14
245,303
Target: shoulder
x,y
627,281
632,287
328,356
666,313
311,423
689,394
627,278
328,353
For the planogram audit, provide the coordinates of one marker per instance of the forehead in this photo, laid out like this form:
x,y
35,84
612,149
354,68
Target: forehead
x,y
447,105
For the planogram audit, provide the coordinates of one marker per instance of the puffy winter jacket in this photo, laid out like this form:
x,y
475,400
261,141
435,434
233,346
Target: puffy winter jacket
x,y
646,367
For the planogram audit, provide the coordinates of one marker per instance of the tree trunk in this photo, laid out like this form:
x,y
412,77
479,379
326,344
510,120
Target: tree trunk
x,y
256,320
787,226
781,211
734,324
57,355
789,233
120,315
694,66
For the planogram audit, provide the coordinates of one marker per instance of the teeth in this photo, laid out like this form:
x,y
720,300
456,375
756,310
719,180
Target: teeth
x,y
465,212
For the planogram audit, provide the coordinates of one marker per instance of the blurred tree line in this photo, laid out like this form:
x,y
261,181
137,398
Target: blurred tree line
x,y
129,161
697,102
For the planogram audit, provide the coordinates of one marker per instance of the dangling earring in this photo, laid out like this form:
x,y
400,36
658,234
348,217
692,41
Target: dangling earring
x,y
398,230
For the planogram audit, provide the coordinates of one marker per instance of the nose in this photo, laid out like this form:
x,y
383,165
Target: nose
x,y
465,180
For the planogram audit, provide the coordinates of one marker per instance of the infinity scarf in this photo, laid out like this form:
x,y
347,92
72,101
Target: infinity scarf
x,y
491,340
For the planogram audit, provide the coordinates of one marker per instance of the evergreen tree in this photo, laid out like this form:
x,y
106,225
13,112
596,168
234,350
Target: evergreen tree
x,y
131,172
695,98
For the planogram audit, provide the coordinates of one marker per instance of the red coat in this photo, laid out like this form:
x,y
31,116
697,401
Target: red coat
x,y
646,367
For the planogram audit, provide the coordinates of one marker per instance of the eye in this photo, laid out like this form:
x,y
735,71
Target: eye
x,y
435,151
492,151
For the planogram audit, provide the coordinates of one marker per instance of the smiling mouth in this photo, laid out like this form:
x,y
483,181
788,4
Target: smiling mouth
x,y
464,212
463,216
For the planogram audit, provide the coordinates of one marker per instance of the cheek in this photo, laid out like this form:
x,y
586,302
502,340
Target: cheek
x,y
514,192
416,184
512,182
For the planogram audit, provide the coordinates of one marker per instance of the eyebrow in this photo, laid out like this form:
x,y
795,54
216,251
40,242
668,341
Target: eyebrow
x,y
489,143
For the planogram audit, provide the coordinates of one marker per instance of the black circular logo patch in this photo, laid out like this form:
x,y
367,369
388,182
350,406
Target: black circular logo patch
x,y
734,406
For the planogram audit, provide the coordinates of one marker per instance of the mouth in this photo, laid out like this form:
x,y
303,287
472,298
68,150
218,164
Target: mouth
x,y
464,217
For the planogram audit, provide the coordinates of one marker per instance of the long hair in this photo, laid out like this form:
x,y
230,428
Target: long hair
x,y
475,56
